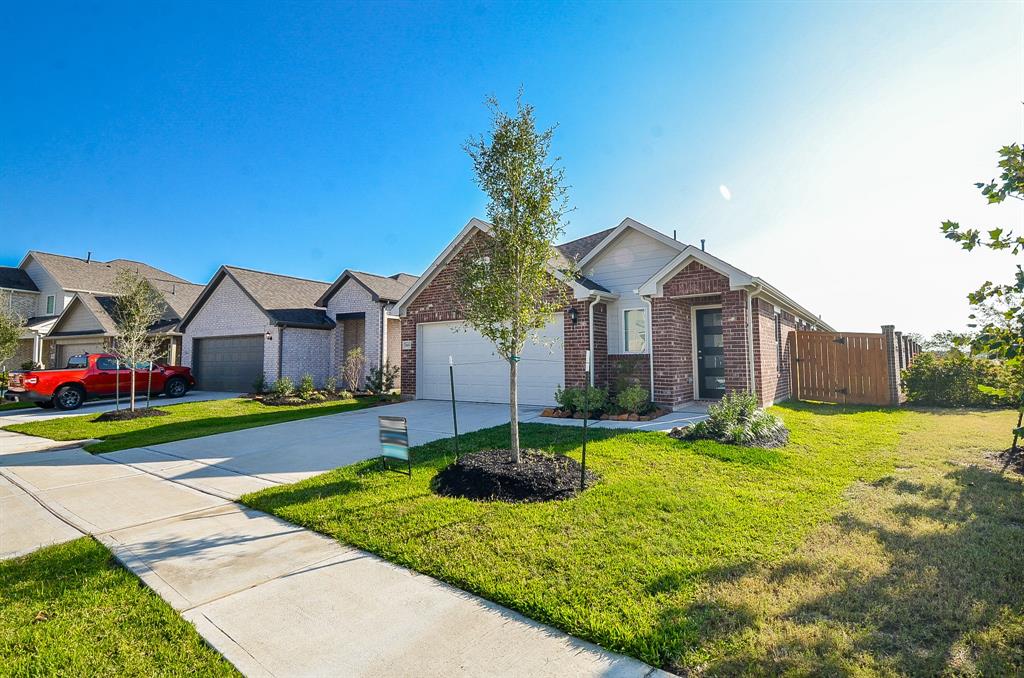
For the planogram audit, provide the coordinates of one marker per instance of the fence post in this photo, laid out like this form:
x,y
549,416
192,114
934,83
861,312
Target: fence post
x,y
892,363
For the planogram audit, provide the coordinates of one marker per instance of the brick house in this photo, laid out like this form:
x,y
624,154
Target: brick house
x,y
651,310
246,324
362,308
19,296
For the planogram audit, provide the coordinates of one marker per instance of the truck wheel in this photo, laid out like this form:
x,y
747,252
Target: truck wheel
x,y
175,387
45,404
68,398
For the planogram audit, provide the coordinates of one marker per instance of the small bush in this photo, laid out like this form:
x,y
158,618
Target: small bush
x,y
331,385
382,379
306,386
259,384
578,399
31,365
737,419
952,380
283,387
633,399
345,395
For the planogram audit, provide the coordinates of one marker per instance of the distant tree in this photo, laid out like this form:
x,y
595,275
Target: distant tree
x,y
1001,334
11,326
136,309
506,284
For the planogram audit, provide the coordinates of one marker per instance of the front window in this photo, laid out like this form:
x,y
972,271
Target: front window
x,y
634,324
51,302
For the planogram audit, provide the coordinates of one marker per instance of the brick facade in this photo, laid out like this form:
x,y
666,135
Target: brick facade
x,y
601,358
305,351
628,369
22,304
773,377
354,298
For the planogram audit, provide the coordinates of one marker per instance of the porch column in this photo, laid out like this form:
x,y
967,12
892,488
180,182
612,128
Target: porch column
x,y
37,348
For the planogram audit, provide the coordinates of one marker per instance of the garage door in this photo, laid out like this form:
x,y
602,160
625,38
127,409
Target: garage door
x,y
480,374
227,363
66,349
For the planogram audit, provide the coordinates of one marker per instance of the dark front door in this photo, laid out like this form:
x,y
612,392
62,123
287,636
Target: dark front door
x,y
710,354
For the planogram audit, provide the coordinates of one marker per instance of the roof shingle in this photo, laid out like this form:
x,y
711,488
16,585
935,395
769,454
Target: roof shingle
x,y
76,274
16,279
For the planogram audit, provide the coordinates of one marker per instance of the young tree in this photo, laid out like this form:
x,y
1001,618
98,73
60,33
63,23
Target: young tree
x,y
137,308
506,284
10,329
1001,334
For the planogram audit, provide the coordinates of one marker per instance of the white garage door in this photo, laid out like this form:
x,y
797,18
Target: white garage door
x,y
480,374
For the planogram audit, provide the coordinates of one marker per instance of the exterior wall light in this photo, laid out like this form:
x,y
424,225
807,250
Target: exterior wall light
x,y
269,336
573,314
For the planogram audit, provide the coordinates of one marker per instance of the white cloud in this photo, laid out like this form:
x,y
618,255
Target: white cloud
x,y
724,190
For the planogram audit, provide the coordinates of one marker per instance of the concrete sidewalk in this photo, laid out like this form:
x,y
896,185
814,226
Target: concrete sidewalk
x,y
274,598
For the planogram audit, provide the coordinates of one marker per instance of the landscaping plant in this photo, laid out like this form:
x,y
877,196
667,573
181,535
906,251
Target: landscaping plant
x,y
633,399
506,284
259,384
577,400
952,380
331,385
382,379
738,420
137,307
306,387
352,372
10,329
283,387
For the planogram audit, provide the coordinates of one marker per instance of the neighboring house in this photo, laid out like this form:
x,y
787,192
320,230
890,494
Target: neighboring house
x,y
57,279
362,307
247,324
19,296
87,323
652,310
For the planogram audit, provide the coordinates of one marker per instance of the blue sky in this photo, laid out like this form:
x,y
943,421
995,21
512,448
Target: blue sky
x,y
307,138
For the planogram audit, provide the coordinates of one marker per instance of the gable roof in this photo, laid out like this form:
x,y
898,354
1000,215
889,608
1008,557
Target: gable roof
x,y
177,297
79,275
287,301
575,250
12,278
389,288
611,235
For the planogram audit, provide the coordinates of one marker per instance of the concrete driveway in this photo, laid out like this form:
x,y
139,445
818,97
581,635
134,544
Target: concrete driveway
x,y
29,414
274,598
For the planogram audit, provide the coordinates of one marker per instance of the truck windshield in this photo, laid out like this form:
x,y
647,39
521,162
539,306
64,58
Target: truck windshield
x,y
78,362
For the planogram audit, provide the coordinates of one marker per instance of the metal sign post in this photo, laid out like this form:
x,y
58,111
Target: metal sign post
x,y
455,418
586,415
117,383
394,441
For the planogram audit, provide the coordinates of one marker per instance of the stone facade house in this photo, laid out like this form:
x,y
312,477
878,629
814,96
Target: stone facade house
x,y
247,325
19,296
362,308
649,309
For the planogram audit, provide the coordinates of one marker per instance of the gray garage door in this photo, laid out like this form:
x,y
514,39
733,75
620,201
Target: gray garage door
x,y
227,363
66,349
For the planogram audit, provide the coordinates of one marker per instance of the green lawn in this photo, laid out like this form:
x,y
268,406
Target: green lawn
x,y
701,557
187,420
71,610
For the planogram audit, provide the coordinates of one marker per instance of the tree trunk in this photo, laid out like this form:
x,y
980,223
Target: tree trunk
x,y
513,408
131,398
1016,436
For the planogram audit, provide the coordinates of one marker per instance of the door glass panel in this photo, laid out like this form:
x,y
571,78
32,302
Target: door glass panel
x,y
712,383
713,340
714,362
712,319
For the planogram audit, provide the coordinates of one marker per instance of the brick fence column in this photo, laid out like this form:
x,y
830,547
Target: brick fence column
x,y
892,363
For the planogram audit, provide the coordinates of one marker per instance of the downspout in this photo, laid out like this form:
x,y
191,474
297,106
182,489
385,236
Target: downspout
x,y
593,356
650,341
750,339
383,328
280,349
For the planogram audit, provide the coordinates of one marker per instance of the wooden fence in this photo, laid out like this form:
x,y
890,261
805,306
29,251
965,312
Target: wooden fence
x,y
838,367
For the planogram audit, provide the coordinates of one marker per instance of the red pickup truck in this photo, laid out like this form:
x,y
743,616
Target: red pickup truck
x,y
94,375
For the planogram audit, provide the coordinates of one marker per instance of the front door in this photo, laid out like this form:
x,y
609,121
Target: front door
x,y
710,354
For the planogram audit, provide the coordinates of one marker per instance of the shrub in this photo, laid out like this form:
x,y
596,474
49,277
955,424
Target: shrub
x,y
737,419
259,384
633,399
952,380
331,385
577,399
345,395
31,365
283,387
355,363
382,379
306,386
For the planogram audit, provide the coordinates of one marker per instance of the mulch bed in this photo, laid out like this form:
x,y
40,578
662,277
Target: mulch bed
x,y
128,415
490,475
556,413
274,401
1011,460
779,439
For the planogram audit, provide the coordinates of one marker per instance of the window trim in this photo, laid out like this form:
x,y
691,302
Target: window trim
x,y
51,304
625,338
